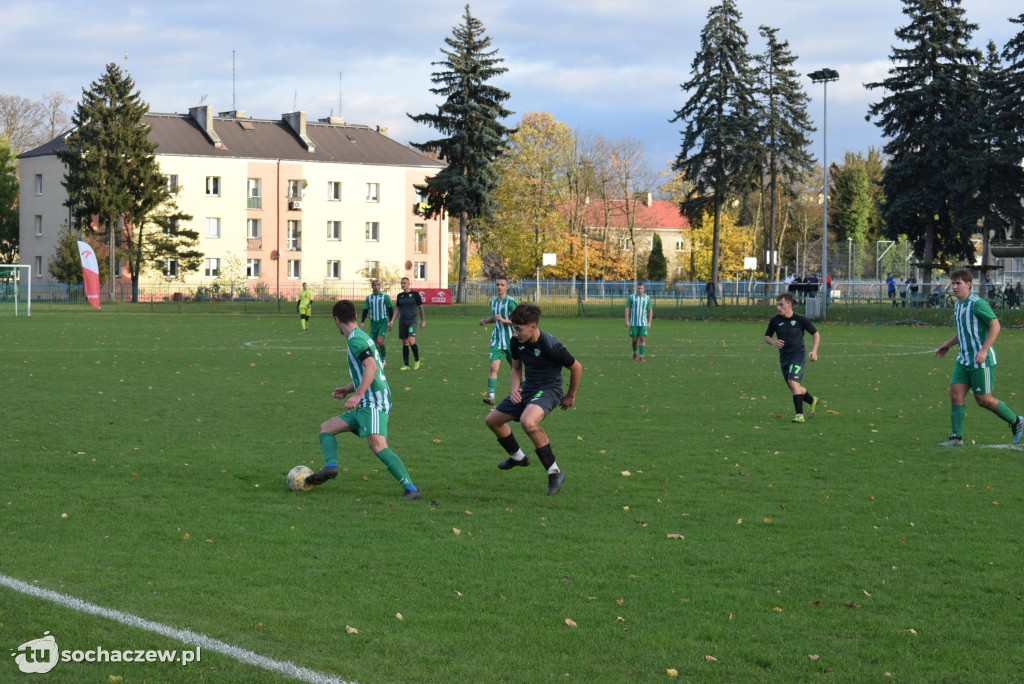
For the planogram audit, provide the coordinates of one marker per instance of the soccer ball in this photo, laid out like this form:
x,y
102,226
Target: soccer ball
x,y
297,479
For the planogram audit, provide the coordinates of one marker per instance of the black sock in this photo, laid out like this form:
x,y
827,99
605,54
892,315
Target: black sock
x,y
509,443
808,399
798,402
546,457
415,351
405,354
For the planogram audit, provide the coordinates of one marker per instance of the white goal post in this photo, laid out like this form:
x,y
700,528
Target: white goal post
x,y
14,279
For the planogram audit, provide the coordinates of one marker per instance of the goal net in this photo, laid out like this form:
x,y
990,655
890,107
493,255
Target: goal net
x,y
16,289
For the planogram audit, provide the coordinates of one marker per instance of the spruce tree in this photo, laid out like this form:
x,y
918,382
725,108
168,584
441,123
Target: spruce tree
x,y
470,117
720,140
657,264
8,203
785,126
113,178
1011,127
929,117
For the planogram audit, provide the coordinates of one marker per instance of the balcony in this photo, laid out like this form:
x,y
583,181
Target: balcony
x,y
254,243
254,203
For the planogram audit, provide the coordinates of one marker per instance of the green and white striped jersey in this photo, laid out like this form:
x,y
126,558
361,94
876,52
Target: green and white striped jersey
x,y
378,305
639,305
972,317
378,395
502,333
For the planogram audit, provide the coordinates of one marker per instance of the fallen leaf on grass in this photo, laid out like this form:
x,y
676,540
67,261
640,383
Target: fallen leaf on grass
x,y
711,659
626,473
675,536
851,604
814,657
456,530
569,622
671,672
351,630
399,616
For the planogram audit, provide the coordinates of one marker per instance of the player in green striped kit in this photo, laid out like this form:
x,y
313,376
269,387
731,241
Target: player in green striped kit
x,y
501,307
639,315
378,306
976,330
367,407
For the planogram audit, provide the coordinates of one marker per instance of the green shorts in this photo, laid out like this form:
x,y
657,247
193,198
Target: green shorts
x,y
366,421
378,329
638,331
981,380
306,311
499,354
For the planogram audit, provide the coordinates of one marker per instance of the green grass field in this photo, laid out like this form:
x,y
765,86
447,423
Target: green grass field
x,y
740,547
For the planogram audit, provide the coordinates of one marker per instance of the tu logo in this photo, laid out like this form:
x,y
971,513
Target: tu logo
x,y
37,656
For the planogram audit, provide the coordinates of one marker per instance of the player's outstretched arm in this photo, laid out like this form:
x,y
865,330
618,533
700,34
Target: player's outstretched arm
x,y
341,392
946,346
575,374
814,346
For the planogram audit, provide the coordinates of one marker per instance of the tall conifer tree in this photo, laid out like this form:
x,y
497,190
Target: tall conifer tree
x,y
785,126
929,116
113,177
9,185
470,117
720,141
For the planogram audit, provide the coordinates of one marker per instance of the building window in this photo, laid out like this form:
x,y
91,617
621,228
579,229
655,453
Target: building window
x,y
252,268
333,270
172,183
171,229
253,228
372,231
254,193
373,192
421,194
334,191
372,269
39,184
39,225
118,267
294,269
39,267
170,268
212,227
213,186
623,243
420,244
679,273
680,245
334,230
212,268
419,270
295,189
295,235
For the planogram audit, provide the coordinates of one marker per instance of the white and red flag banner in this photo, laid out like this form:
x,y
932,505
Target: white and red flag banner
x,y
90,273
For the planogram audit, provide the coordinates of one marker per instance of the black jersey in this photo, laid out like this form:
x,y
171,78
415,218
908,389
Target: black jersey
x,y
407,303
791,331
542,361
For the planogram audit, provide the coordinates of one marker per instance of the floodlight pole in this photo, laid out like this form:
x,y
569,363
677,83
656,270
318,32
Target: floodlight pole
x,y
824,76
586,268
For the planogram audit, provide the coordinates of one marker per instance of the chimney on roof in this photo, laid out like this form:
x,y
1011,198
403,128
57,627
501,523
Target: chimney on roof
x,y
335,120
203,116
383,130
648,200
234,114
297,121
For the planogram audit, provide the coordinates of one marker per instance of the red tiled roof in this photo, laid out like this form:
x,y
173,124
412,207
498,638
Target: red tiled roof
x,y
660,214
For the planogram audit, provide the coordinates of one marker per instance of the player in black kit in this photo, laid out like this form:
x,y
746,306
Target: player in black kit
x,y
789,327
407,305
542,357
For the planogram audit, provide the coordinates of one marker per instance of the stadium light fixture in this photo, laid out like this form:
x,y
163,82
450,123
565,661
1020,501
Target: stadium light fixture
x,y
824,76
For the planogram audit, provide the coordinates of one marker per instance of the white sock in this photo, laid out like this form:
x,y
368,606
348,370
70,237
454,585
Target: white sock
x,y
518,456
554,468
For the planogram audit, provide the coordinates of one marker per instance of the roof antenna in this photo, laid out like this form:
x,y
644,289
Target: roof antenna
x,y
234,108
295,101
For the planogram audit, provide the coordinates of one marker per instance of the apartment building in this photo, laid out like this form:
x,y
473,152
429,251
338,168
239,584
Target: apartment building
x,y
293,200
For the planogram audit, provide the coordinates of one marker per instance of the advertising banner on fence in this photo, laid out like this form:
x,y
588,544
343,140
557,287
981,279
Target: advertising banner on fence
x,y
435,295
90,273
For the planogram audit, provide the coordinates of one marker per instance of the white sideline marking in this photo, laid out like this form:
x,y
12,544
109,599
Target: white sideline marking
x,y
183,635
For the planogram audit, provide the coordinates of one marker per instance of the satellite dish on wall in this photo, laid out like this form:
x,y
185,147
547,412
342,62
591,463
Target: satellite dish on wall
x,y
273,254
408,265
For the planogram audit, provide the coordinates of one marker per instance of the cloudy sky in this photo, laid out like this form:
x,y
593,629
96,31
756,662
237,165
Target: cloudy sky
x,y
605,67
